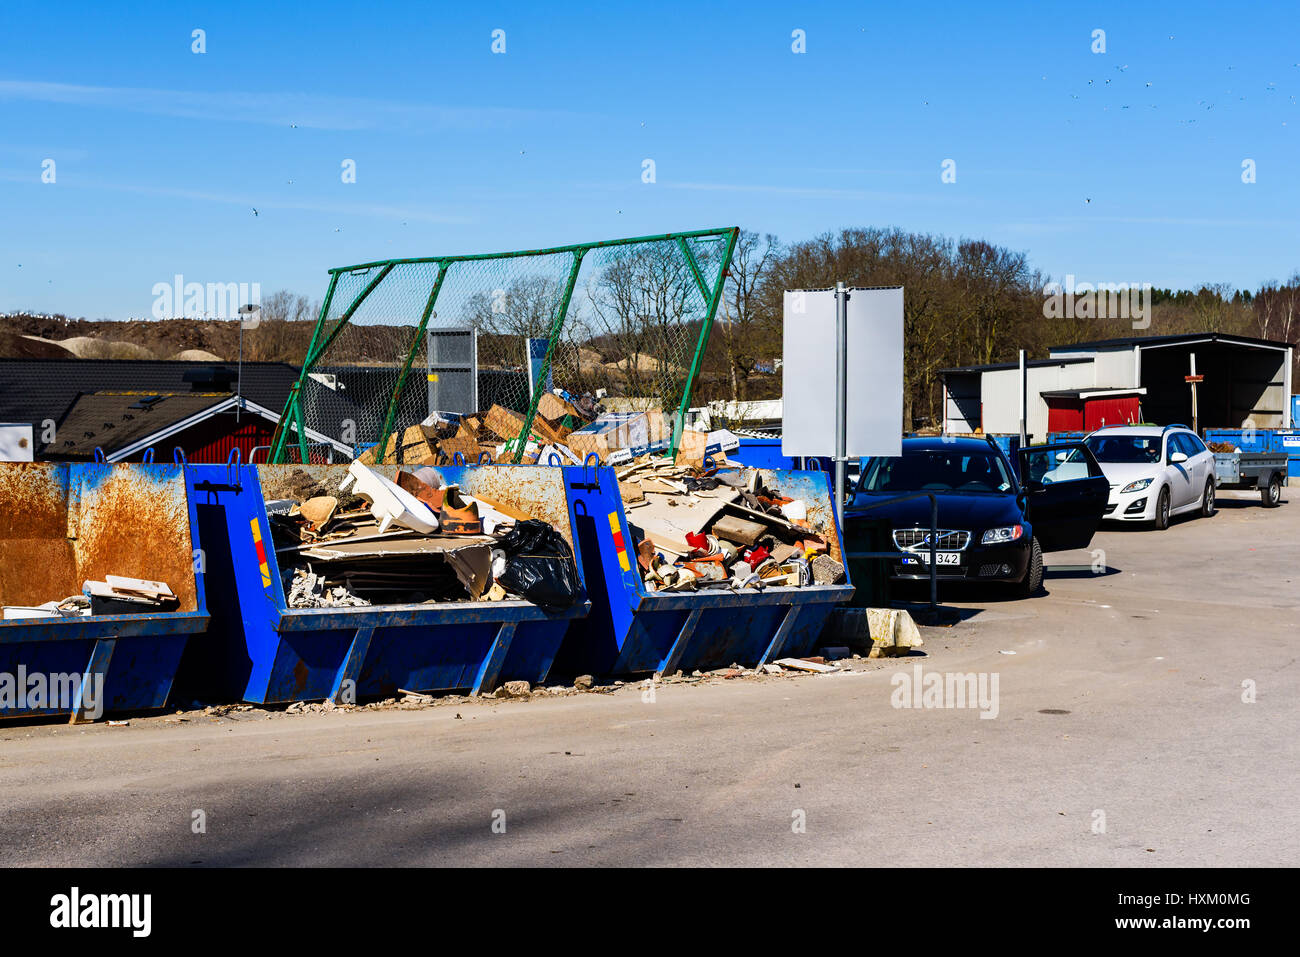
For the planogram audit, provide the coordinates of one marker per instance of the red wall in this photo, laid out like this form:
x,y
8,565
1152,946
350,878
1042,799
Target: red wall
x,y
1117,410
211,440
1064,415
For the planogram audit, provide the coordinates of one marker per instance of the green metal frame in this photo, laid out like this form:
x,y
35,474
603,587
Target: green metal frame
x,y
321,339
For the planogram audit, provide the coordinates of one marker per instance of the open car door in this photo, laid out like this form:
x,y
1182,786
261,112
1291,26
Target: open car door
x,y
1065,492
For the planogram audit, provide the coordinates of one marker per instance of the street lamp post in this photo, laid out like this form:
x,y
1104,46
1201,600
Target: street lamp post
x,y
249,318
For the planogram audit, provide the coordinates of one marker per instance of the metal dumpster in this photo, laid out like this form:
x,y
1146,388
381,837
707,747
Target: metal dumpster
x,y
63,524
632,630
1054,437
261,650
766,454
1248,440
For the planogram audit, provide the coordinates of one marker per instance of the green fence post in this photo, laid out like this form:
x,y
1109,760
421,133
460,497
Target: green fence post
x,y
705,328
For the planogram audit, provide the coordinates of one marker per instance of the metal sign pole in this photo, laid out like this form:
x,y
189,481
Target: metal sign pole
x,y
1024,400
841,389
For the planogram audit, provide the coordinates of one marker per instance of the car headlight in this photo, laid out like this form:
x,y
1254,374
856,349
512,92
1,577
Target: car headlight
x,y
1008,533
1137,486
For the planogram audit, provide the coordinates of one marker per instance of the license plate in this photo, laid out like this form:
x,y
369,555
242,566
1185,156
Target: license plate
x,y
940,558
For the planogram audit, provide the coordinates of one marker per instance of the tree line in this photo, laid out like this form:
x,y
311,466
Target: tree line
x,y
965,302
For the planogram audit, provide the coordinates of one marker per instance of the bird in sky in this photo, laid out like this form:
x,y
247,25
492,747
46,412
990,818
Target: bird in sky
x,y
254,210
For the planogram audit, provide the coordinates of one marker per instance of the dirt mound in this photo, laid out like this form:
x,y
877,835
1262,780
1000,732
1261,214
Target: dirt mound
x,y
197,355
90,347
23,347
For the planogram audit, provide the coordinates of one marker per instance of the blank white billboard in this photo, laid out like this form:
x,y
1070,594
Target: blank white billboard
x,y
874,322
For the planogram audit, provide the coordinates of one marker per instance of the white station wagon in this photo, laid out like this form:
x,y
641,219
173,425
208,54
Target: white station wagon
x,y
1154,473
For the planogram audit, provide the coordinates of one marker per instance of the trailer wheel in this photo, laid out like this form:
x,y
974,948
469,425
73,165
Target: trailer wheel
x,y
1271,494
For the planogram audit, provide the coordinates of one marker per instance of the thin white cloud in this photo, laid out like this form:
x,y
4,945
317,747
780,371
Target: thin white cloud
x,y
377,210
305,110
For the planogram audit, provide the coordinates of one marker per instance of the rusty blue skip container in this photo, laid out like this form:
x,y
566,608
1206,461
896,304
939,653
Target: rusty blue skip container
x,y
631,630
62,524
260,650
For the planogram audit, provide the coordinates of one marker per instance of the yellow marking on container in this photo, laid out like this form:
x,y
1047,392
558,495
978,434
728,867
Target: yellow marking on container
x,y
260,548
433,377
623,561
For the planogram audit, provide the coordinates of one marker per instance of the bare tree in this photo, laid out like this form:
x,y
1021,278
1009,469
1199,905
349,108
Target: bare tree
x,y
748,323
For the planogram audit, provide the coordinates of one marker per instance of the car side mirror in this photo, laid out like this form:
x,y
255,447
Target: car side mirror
x,y
1178,457
1062,456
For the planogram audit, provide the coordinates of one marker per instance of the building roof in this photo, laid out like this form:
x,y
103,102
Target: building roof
x,y
1172,340
120,424
115,420
33,390
1091,393
1031,363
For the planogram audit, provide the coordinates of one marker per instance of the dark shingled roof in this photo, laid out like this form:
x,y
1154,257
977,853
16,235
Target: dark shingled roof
x,y
114,420
33,390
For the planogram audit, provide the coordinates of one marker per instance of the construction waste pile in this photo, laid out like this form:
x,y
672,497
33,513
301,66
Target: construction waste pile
x,y
696,529
115,595
696,522
413,540
565,431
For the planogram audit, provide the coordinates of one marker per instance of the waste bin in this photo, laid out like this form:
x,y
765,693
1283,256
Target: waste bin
x,y
766,454
1054,437
632,630
1248,440
261,650
62,525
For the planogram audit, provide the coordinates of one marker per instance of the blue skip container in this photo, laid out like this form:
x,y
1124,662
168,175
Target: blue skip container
x,y
63,524
631,630
263,651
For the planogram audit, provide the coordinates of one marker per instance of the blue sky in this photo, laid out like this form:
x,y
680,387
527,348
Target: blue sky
x,y
161,154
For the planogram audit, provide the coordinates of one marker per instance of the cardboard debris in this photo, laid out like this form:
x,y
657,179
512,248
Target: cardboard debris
x,y
375,556
139,587
470,559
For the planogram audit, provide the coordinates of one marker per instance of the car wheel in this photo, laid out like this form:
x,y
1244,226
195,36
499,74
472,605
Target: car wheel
x,y
1032,583
1207,500
1271,495
1162,509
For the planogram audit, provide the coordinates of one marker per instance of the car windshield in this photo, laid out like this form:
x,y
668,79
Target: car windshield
x,y
939,470
1124,449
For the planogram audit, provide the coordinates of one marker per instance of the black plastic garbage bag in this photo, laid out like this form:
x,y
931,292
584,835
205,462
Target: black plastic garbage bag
x,y
539,565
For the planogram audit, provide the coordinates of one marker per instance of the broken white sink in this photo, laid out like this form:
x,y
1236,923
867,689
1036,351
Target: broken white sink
x,y
389,503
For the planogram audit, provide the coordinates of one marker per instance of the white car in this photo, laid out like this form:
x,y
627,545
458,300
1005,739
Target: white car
x,y
1154,473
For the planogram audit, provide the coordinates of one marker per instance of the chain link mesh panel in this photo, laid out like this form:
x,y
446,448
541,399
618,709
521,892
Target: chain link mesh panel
x,y
628,316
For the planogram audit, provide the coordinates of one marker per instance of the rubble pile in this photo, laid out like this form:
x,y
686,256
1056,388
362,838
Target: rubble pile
x,y
115,595
694,528
413,540
565,431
